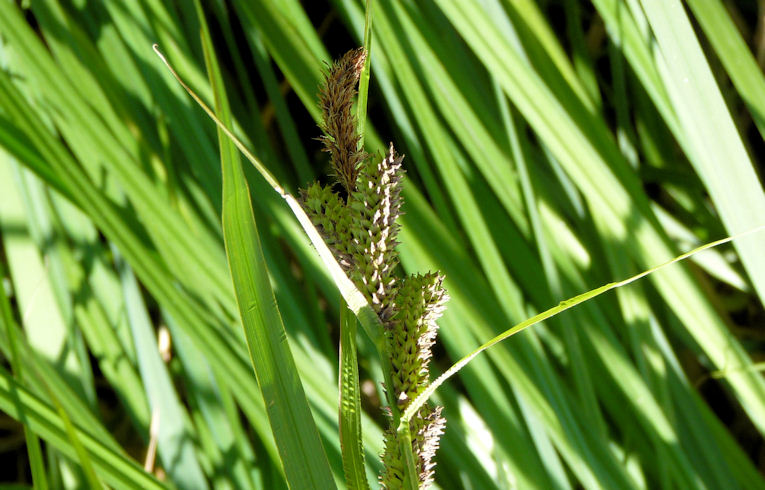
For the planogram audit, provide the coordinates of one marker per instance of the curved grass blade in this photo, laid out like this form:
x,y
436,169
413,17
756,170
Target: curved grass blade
x,y
580,142
549,313
706,123
300,449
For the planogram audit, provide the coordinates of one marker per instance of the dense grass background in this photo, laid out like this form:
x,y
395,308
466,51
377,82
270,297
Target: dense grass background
x,y
552,146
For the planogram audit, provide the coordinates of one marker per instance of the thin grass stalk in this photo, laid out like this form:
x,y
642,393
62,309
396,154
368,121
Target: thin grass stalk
x,y
351,444
551,312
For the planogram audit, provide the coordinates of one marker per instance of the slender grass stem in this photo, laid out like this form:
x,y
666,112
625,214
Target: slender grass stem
x,y
563,306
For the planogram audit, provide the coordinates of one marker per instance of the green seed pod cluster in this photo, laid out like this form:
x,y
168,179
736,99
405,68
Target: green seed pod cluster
x,y
330,216
374,207
361,229
419,302
426,428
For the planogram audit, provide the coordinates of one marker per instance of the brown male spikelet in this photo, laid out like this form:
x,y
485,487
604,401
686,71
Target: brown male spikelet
x,y
340,138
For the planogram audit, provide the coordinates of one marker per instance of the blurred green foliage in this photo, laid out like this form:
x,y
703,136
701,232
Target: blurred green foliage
x,y
551,147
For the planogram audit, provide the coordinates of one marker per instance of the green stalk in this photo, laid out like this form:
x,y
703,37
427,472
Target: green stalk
x,y
405,445
549,313
351,445
411,482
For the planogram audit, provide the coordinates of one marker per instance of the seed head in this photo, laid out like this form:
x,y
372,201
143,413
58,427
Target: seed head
x,y
374,208
361,230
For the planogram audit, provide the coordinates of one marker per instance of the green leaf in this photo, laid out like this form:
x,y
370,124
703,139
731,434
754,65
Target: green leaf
x,y
551,312
301,452
706,123
350,404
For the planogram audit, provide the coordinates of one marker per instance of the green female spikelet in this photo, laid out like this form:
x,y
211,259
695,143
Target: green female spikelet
x,y
361,230
419,302
373,208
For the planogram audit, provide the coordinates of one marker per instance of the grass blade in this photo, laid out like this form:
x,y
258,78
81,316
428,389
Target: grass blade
x,y
563,306
175,440
305,462
361,114
36,464
707,125
350,404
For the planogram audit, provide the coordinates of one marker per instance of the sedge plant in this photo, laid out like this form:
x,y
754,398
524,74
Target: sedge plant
x,y
360,226
530,157
354,232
